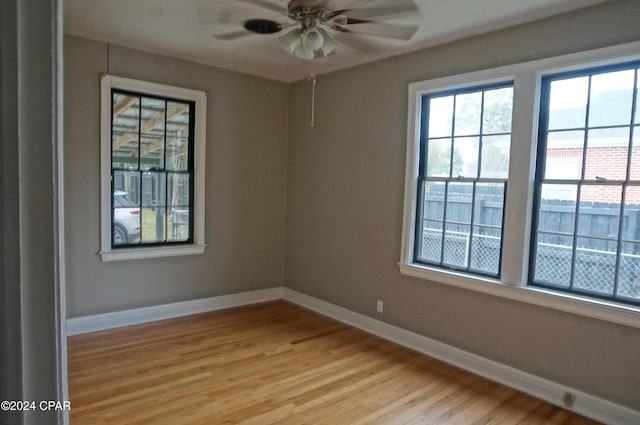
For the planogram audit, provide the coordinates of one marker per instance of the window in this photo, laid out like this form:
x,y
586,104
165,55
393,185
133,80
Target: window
x,y
152,171
464,164
524,182
587,221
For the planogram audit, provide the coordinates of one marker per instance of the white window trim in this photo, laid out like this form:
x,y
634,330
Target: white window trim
x,y
527,79
109,82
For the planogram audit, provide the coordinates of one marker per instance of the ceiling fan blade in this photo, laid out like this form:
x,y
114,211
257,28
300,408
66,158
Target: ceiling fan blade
x,y
354,41
379,29
223,17
351,4
377,12
265,4
233,35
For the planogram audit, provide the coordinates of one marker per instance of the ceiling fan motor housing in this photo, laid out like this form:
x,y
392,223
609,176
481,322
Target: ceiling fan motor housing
x,y
309,12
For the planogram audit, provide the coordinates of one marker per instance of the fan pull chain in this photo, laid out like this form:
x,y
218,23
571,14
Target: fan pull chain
x,y
312,78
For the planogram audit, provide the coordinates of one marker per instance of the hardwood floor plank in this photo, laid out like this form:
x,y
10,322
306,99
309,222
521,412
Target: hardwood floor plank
x,y
278,364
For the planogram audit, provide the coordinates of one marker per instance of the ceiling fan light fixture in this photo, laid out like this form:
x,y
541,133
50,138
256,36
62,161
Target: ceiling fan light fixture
x,y
291,40
304,53
312,38
329,44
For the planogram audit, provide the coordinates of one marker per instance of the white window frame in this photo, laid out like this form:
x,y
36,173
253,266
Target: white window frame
x,y
107,253
518,209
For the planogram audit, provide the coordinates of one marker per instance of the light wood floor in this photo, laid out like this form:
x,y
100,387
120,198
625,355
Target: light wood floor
x,y
278,364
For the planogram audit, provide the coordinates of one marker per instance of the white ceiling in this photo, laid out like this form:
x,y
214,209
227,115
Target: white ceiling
x,y
185,29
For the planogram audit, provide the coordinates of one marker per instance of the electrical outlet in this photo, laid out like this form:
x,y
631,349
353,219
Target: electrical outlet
x,y
568,399
379,306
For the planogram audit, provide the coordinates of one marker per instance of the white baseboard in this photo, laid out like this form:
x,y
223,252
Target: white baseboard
x,y
99,322
552,392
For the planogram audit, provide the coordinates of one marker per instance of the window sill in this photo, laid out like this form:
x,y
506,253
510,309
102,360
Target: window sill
x,y
154,252
602,310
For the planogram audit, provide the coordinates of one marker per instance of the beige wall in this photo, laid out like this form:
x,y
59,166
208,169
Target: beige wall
x,y
345,200
245,185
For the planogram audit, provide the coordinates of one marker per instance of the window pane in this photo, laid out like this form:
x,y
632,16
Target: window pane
x,y
151,151
152,109
178,226
465,157
459,196
631,223
629,275
611,98
178,118
489,204
600,218
177,153
635,154
607,154
152,134
433,208
564,155
440,116
430,247
126,226
496,117
126,212
485,251
153,222
495,157
126,184
557,218
456,242
178,190
557,195
568,103
125,126
468,112
553,259
154,189
178,196
177,136
439,158
595,268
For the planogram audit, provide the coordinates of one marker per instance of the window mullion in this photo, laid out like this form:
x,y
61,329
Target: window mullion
x,y
471,220
616,274
518,214
166,174
444,221
139,170
453,134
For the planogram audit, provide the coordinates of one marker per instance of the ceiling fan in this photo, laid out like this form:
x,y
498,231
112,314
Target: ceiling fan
x,y
316,25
